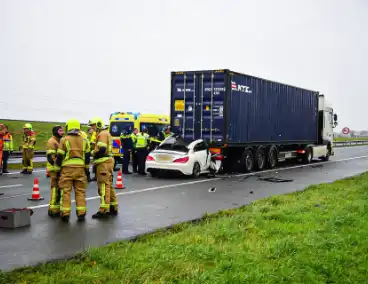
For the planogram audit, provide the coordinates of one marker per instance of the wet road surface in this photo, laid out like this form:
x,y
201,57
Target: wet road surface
x,y
148,204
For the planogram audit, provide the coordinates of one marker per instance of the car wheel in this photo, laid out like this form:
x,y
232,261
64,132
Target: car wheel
x,y
196,170
153,174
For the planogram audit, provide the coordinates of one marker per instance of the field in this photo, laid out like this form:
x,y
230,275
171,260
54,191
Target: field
x,y
341,139
318,235
43,130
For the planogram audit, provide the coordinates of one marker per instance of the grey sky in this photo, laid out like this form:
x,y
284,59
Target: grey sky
x,y
63,59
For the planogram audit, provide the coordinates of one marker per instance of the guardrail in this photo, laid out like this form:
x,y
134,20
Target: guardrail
x,y
18,154
350,143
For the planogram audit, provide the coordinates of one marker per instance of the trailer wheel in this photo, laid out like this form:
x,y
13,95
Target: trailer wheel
x,y
308,156
272,157
248,160
260,159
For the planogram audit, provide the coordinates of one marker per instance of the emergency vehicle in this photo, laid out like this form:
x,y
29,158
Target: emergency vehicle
x,y
119,122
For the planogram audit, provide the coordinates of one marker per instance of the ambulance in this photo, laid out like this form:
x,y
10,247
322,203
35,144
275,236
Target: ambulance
x,y
120,122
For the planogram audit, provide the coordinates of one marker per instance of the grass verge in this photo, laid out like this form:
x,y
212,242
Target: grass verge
x,y
346,139
43,131
318,235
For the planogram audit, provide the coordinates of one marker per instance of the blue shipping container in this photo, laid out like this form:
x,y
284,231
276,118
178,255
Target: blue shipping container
x,y
226,107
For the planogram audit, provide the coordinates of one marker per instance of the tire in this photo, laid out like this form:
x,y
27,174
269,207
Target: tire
x,y
308,156
272,158
260,159
248,161
196,170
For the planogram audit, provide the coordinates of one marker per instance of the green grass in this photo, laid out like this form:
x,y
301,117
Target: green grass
x,y
43,130
318,235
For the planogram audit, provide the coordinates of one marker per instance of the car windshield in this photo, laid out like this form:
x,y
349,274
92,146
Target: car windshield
x,y
174,144
153,128
116,128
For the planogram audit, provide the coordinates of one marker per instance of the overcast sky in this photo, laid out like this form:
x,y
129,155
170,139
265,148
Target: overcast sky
x,y
63,59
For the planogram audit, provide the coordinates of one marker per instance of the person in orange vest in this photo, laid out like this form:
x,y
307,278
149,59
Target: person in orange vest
x,y
8,148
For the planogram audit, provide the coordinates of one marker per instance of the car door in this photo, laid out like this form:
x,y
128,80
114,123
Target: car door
x,y
201,155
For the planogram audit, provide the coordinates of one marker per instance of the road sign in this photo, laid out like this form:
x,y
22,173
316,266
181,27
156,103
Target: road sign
x,y
345,130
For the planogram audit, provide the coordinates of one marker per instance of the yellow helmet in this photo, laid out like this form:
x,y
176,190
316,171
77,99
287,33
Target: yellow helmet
x,y
72,124
98,121
27,126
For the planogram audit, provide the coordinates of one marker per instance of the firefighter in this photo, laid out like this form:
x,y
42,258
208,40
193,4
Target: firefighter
x,y
134,152
29,141
8,148
102,158
92,141
127,144
72,156
165,133
54,170
142,146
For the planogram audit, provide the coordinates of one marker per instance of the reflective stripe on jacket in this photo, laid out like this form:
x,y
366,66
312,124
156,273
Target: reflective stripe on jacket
x,y
8,142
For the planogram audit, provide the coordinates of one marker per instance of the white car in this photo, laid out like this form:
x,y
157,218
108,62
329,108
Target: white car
x,y
176,156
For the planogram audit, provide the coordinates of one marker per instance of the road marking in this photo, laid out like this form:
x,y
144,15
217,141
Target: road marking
x,y
212,179
8,197
18,173
11,185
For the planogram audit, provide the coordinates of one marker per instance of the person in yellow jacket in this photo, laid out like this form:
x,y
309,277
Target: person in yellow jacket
x,y
88,172
29,141
7,149
72,156
54,170
92,140
102,158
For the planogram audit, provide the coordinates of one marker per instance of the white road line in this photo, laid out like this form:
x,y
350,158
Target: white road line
x,y
212,179
8,197
11,185
18,173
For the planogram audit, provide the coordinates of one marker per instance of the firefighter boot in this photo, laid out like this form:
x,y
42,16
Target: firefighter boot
x,y
113,211
100,215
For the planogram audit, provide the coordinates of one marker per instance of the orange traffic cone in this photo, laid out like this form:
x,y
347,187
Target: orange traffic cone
x,y
119,181
36,191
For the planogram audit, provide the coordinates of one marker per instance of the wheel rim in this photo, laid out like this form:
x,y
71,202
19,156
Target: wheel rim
x,y
249,162
261,160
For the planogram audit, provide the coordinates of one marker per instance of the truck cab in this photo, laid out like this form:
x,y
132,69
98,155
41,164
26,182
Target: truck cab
x,y
327,123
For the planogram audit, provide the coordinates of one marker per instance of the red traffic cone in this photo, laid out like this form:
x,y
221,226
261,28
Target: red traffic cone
x,y
36,191
119,181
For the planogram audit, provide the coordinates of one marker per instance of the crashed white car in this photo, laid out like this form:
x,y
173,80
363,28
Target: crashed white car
x,y
174,155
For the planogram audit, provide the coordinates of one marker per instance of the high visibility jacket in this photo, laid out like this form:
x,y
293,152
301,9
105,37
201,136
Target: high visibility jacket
x,y
8,143
29,141
134,140
103,140
85,136
126,140
73,148
92,140
51,149
142,140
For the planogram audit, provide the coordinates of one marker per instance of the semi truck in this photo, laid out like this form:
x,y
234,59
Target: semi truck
x,y
250,122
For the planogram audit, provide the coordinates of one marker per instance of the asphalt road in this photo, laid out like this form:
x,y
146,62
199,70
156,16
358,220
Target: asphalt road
x,y
148,204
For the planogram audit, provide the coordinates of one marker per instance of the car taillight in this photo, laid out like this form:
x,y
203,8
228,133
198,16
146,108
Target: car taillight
x,y
150,158
300,151
219,158
182,160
